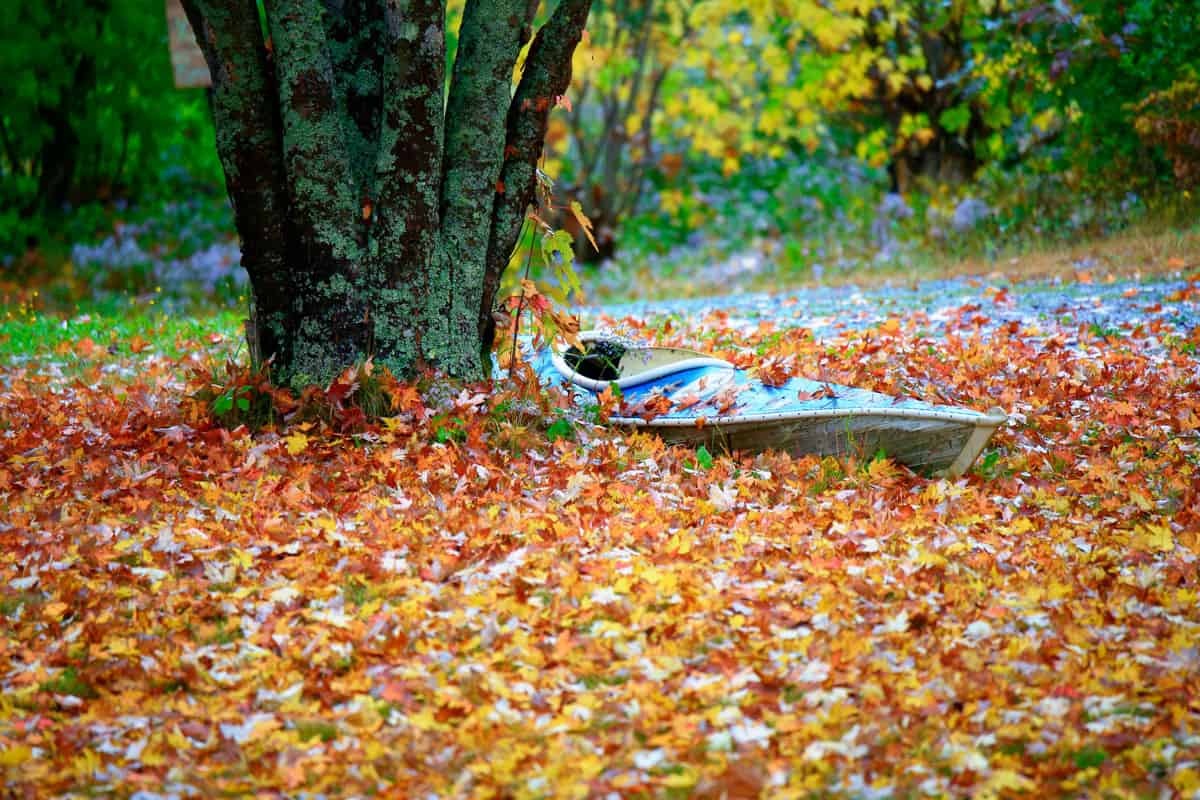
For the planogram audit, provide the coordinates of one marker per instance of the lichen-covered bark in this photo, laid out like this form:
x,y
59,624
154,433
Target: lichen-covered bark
x,y
249,145
354,30
324,204
367,210
314,142
489,42
408,169
546,76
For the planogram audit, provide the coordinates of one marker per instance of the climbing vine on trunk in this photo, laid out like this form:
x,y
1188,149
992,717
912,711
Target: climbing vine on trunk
x,y
376,214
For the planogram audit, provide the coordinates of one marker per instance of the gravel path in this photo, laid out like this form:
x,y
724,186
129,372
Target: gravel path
x,y
1107,309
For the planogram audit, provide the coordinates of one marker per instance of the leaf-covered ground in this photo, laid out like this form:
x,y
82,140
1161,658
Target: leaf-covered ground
x,y
452,604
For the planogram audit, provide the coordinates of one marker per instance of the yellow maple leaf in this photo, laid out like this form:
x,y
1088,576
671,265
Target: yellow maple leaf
x,y
681,780
1186,781
585,224
15,756
679,544
1141,500
1005,780
176,739
242,558
55,610
930,559
424,720
153,757
1155,537
296,443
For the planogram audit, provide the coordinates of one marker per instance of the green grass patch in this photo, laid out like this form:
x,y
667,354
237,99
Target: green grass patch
x,y
113,328
1089,757
11,604
69,682
316,729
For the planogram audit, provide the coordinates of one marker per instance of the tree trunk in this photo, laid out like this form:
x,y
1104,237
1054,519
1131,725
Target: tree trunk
x,y
58,158
375,219
942,161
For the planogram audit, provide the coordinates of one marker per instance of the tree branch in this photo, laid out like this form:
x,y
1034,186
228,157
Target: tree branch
x,y
547,75
248,130
575,115
323,197
632,198
490,38
640,53
408,170
9,152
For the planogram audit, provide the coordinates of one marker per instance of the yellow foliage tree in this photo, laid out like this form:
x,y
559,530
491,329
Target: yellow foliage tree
x,y
659,80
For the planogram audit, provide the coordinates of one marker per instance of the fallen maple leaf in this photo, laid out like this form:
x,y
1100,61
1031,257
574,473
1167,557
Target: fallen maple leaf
x,y
296,443
607,402
825,391
651,408
775,372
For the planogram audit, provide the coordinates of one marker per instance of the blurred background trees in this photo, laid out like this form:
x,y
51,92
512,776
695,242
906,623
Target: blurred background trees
x,y
1124,73
1015,104
770,124
89,112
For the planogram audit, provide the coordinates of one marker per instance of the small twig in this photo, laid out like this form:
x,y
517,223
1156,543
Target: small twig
x,y
516,330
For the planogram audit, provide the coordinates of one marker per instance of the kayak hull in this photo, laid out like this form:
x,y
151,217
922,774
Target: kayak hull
x,y
933,446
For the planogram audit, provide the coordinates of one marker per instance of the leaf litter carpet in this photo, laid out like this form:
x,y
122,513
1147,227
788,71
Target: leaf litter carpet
x,y
192,612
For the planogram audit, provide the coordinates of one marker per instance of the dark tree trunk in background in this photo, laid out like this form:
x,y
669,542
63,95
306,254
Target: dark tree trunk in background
x,y
945,160
375,219
949,157
58,158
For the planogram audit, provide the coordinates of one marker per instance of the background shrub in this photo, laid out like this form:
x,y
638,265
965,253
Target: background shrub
x,y
89,112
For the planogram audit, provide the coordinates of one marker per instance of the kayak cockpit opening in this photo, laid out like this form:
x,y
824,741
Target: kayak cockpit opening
x,y
609,359
600,362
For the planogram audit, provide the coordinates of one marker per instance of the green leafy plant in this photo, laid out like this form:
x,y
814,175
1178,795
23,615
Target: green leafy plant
x,y
244,397
1113,63
68,682
448,429
561,428
703,461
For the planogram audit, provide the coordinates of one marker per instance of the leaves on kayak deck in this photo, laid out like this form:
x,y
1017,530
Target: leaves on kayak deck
x,y
822,393
776,371
726,400
459,601
654,405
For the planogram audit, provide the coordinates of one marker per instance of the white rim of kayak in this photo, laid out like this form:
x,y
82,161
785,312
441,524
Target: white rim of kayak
x,y
991,420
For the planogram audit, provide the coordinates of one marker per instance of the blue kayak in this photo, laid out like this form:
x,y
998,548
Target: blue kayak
x,y
691,398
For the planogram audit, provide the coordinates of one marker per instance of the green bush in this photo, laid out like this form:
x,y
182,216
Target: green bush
x,y
1104,58
90,112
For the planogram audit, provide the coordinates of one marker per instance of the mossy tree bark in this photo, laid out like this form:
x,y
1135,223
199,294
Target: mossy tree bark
x,y
376,217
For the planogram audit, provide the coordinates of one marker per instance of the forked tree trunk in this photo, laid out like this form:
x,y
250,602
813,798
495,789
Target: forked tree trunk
x,y
376,219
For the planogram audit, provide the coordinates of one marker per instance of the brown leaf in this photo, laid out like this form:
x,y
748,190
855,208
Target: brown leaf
x,y
584,223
